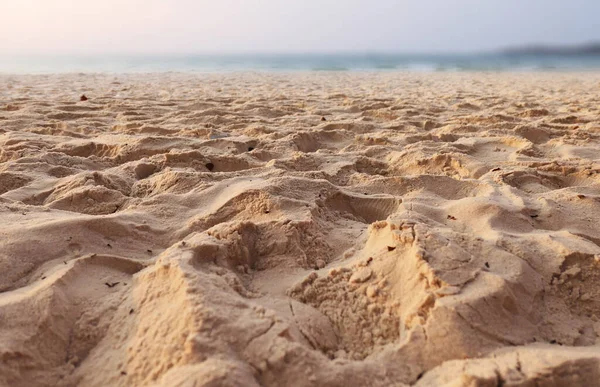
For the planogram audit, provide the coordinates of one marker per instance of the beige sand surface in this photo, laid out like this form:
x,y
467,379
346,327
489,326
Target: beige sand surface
x,y
300,230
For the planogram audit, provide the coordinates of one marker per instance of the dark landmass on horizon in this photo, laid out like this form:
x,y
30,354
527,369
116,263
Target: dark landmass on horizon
x,y
547,49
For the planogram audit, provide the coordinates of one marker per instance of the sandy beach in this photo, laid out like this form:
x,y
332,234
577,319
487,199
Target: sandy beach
x,y
305,229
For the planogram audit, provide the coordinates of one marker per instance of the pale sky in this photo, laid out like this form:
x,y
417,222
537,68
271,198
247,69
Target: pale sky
x,y
205,26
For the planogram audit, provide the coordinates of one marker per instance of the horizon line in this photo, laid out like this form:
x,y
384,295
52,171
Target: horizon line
x,y
508,49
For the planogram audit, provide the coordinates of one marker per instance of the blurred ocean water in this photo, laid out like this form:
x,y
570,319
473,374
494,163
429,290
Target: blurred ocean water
x,y
299,62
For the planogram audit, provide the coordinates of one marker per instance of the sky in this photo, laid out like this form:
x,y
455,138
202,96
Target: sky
x,y
290,26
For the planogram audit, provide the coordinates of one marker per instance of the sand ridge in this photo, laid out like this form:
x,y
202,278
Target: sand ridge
x,y
300,229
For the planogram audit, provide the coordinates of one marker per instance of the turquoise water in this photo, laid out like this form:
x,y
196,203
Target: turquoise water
x,y
297,62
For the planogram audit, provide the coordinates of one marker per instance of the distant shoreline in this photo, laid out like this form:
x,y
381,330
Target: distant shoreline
x,y
591,49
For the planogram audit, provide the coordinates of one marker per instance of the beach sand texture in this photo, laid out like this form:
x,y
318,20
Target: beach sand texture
x,y
316,229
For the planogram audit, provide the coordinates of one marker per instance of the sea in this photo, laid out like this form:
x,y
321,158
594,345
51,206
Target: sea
x,y
367,62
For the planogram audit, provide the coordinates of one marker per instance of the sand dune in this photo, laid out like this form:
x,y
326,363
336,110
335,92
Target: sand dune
x,y
300,230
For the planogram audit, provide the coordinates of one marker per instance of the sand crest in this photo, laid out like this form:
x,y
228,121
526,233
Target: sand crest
x,y
329,229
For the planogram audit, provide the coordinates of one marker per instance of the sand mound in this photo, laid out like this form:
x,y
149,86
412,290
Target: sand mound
x,y
215,230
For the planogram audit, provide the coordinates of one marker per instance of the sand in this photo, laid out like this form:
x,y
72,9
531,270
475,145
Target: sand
x,y
317,229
